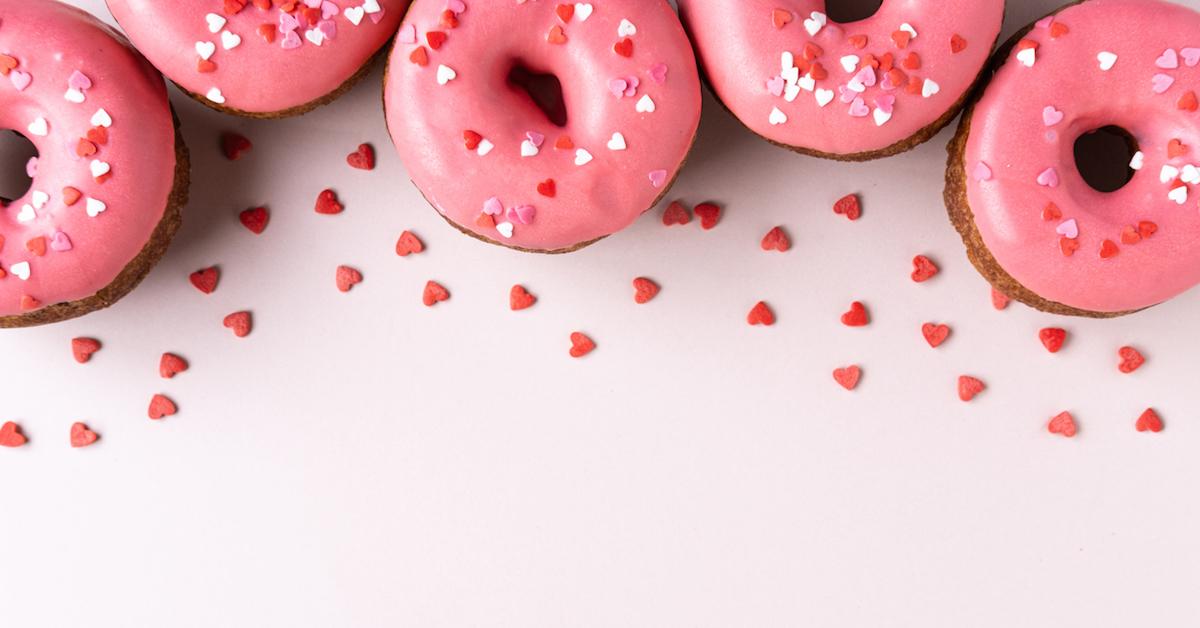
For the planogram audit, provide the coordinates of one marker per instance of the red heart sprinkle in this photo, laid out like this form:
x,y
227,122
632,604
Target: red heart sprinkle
x,y
1131,359
267,32
761,314
255,219
409,244
347,277
645,290
234,145
547,188
471,139
969,387
205,66
709,213
81,436
935,334
83,348
71,196
676,214
161,406
857,316
85,148
776,240
205,279
327,203
1053,338
1130,235
564,142
957,44
1000,300
485,221
1063,424
1051,212
781,18
449,19
1147,229
556,35
581,345
565,12
239,322
1176,148
858,41
434,292
901,38
1058,29
1149,421
11,436
1068,246
419,56
435,39
171,365
848,206
29,303
923,269
520,299
37,246
624,47
1188,102
363,158
847,377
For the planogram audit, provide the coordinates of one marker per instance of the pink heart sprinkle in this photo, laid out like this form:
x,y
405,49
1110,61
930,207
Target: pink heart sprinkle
x,y
847,95
1191,56
328,10
328,28
522,214
408,34
492,207
658,72
289,23
20,80
775,86
886,84
1051,116
457,6
866,76
31,167
1068,229
885,102
78,80
982,172
1168,60
1048,178
1162,82
536,138
290,41
658,178
312,4
633,83
859,108
377,16
618,87
60,242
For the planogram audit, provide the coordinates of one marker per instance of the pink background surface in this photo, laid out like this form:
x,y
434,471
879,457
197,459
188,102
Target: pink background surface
x,y
361,460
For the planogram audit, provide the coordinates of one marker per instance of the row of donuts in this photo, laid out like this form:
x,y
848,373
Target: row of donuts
x,y
573,118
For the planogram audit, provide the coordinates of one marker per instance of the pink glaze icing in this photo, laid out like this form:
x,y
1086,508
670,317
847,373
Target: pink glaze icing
x,y
757,57
1020,157
630,120
264,60
73,75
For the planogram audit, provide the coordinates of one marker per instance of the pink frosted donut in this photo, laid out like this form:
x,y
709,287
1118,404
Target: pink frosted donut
x,y
1034,226
111,171
855,91
260,58
461,109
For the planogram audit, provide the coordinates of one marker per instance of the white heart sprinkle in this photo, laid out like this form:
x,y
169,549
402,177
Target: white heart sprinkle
x,y
1190,174
824,96
777,117
315,36
101,118
39,127
1179,194
582,157
505,229
39,199
1068,229
371,6
807,83
216,96
20,270
75,96
1107,60
1168,174
626,29
1027,57
95,207
791,75
99,168
583,11
26,214
484,148
882,117
354,14
528,149
617,142
815,23
787,61
906,27
1139,159
229,41
930,88
791,92
645,105
215,22
850,63
445,74
205,49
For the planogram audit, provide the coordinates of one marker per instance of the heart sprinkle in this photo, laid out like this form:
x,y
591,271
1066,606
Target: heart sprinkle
x,y
84,348
935,334
1131,360
1149,421
709,214
255,219
848,377
857,316
410,244
434,293
327,203
239,322
581,345
761,314
363,158
776,240
848,206
1063,424
11,436
644,290
1053,338
205,279
676,214
346,278
171,365
923,269
969,387
520,299
161,406
81,436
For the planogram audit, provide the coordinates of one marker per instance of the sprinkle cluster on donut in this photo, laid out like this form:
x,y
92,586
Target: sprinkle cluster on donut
x,y
261,58
855,91
1034,226
550,177
105,190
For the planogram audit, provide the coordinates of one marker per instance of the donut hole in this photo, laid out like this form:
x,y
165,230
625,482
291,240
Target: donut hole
x,y
847,11
1102,157
15,152
544,91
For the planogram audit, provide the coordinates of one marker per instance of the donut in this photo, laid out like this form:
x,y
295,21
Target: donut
x,y
111,173
544,169
1032,223
261,58
851,92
